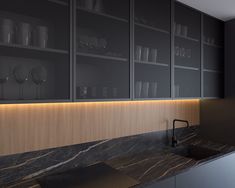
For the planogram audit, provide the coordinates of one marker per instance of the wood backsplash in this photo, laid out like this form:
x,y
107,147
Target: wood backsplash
x,y
29,127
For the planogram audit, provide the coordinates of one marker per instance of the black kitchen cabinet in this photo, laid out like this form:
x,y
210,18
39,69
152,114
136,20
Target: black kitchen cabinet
x,y
187,55
218,173
152,49
213,57
34,50
102,49
98,50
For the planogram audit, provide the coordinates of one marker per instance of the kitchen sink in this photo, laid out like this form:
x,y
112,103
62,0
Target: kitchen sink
x,y
195,152
97,175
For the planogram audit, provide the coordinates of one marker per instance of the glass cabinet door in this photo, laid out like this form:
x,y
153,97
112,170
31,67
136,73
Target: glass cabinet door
x,y
102,49
34,50
213,57
187,56
152,49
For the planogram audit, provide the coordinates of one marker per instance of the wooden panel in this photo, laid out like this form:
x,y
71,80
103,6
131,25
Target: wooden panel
x,y
28,127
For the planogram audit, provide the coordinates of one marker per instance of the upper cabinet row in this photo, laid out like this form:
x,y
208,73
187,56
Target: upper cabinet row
x,y
64,50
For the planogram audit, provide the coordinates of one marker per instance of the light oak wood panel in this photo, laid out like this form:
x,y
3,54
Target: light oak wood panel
x,y
29,127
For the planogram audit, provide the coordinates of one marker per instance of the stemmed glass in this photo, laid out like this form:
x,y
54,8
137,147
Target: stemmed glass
x,y
4,77
21,76
39,76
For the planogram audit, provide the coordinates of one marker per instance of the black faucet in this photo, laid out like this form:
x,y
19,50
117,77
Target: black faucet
x,y
174,139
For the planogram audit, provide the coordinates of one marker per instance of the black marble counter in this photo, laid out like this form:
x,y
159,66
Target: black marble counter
x,y
146,158
150,167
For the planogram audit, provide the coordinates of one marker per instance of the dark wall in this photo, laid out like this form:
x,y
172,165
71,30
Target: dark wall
x,y
218,120
230,59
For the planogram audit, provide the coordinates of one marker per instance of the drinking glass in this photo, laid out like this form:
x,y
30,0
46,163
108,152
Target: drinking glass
x,y
7,31
153,55
114,92
93,92
177,50
105,92
153,89
145,55
84,41
189,53
102,43
24,34
42,36
39,76
177,91
21,74
184,31
83,91
138,52
4,77
138,88
145,89
99,6
178,29
182,52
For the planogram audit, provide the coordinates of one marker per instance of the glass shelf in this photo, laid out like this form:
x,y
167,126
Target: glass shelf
x,y
187,38
212,45
17,46
152,63
101,56
103,14
59,2
186,68
152,28
213,71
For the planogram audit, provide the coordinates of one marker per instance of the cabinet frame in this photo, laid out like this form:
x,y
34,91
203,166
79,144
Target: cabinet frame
x,y
70,63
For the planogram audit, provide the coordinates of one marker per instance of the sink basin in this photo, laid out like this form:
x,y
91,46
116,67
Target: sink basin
x,y
97,175
195,152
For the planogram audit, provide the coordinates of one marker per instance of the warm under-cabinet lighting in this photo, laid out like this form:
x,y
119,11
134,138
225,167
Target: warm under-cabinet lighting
x,y
73,104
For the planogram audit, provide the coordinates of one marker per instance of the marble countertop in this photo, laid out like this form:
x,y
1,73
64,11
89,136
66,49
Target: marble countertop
x,y
156,164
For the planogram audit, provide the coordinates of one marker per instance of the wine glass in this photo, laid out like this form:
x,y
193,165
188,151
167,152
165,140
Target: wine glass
x,y
39,76
21,74
6,30
4,77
